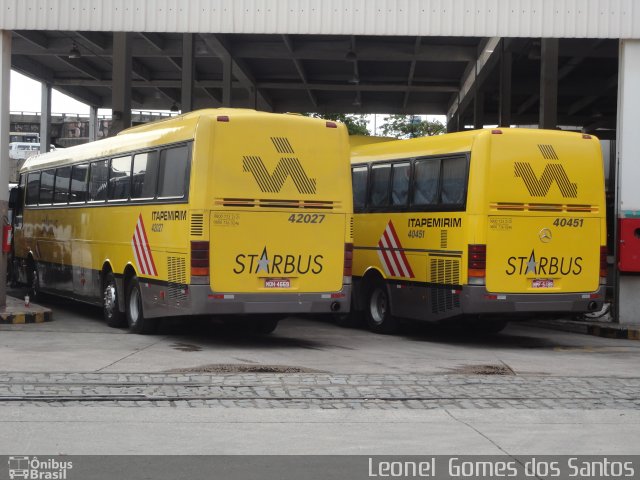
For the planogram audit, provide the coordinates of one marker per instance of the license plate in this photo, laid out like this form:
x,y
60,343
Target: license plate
x,y
542,283
277,283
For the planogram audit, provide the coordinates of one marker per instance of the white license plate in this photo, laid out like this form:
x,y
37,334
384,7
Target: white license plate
x,y
277,283
542,283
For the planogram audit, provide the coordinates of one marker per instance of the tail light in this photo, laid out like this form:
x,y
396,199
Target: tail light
x,y
348,262
200,259
477,270
603,265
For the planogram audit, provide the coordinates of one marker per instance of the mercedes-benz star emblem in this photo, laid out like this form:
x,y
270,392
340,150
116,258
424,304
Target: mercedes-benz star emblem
x,y
545,235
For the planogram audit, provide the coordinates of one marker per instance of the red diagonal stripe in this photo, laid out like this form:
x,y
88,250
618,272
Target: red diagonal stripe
x,y
405,261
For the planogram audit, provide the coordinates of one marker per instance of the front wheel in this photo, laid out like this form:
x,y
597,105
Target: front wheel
x,y
379,318
135,315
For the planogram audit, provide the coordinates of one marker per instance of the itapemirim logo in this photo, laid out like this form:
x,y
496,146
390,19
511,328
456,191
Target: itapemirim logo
x,y
32,468
539,187
286,167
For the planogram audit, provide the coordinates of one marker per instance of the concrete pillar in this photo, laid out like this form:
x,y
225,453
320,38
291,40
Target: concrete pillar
x,y
549,83
226,80
121,90
504,105
45,118
188,71
5,76
93,123
628,179
478,109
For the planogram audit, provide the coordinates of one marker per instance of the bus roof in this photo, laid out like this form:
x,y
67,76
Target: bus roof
x,y
171,130
438,144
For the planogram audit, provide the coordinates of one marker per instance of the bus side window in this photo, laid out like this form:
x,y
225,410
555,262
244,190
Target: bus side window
x,y
400,184
380,175
98,176
46,187
454,179
426,179
174,164
61,191
119,176
33,187
359,180
79,176
145,175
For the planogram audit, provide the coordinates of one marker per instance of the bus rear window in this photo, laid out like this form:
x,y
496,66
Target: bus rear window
x,y
173,172
33,188
145,175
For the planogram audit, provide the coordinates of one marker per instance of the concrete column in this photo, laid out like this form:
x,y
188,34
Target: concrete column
x,y
45,117
226,80
93,123
121,90
504,106
478,109
628,179
188,71
549,83
5,76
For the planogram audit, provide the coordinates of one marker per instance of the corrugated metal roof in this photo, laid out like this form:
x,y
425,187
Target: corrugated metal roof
x,y
470,18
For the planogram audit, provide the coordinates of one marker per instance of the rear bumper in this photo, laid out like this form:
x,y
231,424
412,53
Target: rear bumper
x,y
476,299
200,300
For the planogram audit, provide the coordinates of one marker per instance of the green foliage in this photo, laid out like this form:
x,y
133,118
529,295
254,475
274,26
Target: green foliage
x,y
409,126
356,124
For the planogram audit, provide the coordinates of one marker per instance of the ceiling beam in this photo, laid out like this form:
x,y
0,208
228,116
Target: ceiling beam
x,y
239,70
34,37
82,66
95,40
298,64
412,71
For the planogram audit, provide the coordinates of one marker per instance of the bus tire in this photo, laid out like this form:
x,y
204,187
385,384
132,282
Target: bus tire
x,y
378,313
33,279
135,315
112,314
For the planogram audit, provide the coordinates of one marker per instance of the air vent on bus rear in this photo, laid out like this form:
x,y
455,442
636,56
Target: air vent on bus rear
x,y
197,225
544,207
273,203
177,278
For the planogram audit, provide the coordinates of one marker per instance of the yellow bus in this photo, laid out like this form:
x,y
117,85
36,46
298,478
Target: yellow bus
x,y
483,225
219,211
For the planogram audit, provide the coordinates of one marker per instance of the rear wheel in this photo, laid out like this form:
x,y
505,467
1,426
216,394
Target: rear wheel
x,y
112,315
135,315
33,278
379,318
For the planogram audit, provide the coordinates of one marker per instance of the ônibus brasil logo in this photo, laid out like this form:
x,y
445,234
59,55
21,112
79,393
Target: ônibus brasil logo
x,y
33,468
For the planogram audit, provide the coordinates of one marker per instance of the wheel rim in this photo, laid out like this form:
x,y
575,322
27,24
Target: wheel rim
x,y
134,306
378,306
110,303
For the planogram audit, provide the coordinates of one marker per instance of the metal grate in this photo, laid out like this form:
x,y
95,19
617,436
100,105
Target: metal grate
x,y
444,238
444,272
197,225
177,276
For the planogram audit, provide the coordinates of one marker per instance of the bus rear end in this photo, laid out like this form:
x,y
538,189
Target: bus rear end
x,y
279,227
540,245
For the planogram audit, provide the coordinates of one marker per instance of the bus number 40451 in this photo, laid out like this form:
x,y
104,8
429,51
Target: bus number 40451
x,y
568,222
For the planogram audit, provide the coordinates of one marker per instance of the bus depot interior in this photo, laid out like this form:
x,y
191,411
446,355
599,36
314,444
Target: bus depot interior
x,y
553,83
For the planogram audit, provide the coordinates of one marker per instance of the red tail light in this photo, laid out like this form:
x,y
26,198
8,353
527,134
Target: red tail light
x,y
477,261
200,259
348,259
603,262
